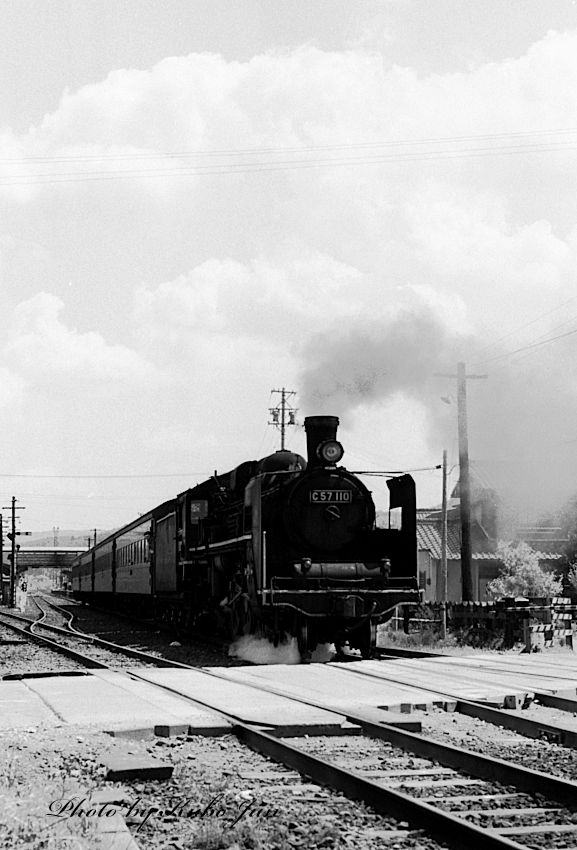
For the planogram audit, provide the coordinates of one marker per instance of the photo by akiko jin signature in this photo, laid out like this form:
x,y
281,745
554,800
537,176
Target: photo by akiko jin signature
x,y
229,812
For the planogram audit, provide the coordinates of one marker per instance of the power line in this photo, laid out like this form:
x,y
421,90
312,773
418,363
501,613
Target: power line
x,y
532,322
526,348
287,165
152,475
291,149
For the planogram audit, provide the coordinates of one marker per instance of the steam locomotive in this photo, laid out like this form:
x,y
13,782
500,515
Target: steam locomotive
x,y
280,546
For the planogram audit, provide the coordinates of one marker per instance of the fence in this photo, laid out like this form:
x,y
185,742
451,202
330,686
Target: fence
x,y
536,623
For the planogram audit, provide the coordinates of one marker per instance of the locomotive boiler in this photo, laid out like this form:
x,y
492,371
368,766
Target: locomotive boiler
x,y
280,546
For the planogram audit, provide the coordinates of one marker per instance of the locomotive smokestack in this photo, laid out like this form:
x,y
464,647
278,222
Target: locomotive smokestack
x,y
322,446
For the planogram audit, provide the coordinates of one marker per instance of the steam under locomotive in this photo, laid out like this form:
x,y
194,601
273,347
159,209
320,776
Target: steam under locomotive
x,y
280,546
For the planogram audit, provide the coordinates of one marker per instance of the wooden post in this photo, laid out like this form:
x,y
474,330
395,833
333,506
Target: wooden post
x,y
444,550
464,485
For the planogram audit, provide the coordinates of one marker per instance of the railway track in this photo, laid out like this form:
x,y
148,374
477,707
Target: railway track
x,y
147,626
503,717
427,785
456,796
460,798
98,653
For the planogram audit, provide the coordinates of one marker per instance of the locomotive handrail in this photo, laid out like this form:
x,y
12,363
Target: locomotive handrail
x,y
220,543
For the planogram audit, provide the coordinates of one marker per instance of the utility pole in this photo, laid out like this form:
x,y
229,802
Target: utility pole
x,y
464,480
2,599
55,531
283,414
12,536
444,547
464,485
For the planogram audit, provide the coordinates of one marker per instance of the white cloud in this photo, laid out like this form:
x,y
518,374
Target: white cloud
x,y
276,300
40,344
308,96
15,171
13,389
467,234
235,283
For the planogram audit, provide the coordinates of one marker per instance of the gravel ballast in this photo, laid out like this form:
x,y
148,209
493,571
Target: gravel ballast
x,y
215,782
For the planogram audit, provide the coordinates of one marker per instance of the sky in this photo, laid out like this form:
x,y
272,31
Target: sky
x,y
203,201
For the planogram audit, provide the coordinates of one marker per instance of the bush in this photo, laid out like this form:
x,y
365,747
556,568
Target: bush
x,y
572,578
521,574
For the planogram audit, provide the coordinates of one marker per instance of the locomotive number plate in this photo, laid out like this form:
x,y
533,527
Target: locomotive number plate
x,y
331,496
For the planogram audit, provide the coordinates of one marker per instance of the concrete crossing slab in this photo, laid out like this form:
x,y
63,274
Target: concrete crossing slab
x,y
126,702
557,665
470,676
242,701
20,708
332,687
469,684
509,673
113,700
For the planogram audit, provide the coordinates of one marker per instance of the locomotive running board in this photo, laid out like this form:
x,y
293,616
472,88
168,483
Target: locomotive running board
x,y
307,600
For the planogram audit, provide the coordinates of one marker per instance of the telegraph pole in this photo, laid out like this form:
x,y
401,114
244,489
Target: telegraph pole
x,y
444,546
464,484
464,481
2,599
283,414
12,537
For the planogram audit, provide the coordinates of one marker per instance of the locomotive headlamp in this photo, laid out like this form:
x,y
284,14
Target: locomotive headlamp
x,y
331,451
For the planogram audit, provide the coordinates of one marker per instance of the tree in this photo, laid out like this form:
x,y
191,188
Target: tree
x,y
521,574
572,577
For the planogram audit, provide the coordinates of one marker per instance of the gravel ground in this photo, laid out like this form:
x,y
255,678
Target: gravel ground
x,y
27,656
40,766
151,639
30,657
281,810
482,737
544,714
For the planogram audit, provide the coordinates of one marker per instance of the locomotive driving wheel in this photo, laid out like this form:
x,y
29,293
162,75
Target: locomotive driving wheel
x,y
247,625
304,639
366,639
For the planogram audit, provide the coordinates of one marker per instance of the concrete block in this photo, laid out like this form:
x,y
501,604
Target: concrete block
x,y
132,734
123,767
514,701
391,718
210,731
171,730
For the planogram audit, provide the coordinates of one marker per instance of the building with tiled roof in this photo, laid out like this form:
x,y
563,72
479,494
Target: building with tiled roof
x,y
484,538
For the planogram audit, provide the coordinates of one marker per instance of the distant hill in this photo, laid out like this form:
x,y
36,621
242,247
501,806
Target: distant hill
x,y
63,537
